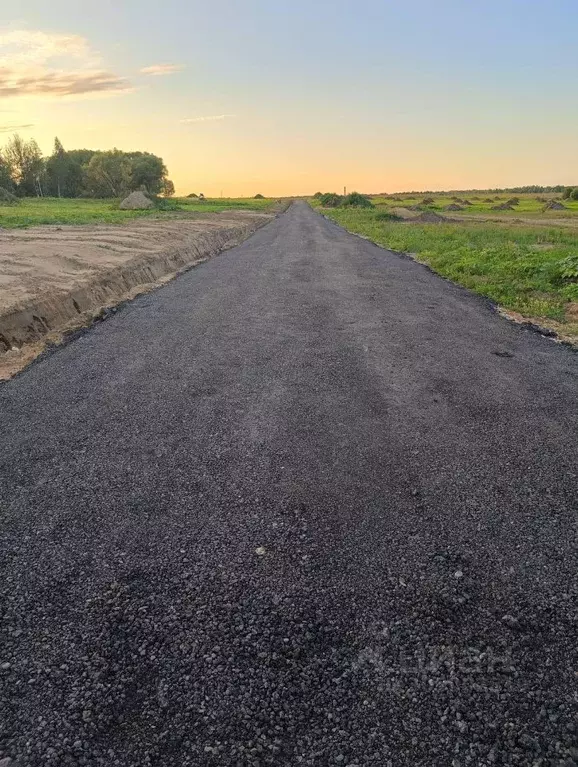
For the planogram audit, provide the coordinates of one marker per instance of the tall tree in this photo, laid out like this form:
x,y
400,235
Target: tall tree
x,y
57,170
24,159
148,172
108,174
5,176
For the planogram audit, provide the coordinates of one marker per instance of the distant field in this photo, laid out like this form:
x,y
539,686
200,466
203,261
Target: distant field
x,y
529,204
34,211
529,266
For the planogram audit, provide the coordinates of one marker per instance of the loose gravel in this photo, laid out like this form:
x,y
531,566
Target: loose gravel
x,y
309,504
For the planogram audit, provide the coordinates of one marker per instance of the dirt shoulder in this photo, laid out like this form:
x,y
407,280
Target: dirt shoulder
x,y
54,279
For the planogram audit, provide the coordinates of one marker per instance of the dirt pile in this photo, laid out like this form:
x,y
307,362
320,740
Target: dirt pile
x,y
554,205
137,201
429,217
503,206
453,207
428,201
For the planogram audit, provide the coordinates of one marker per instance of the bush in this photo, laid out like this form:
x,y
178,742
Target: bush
x,y
574,195
7,198
567,193
258,197
568,268
330,200
192,194
356,200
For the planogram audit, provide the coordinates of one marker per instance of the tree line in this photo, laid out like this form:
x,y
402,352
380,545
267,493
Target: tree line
x,y
24,171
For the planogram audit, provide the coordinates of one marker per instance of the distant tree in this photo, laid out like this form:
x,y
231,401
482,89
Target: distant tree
x,y
574,195
26,167
108,174
192,194
168,188
318,195
5,176
147,172
567,193
57,171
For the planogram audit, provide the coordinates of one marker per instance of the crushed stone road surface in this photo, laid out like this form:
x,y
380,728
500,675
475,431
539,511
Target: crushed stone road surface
x,y
309,504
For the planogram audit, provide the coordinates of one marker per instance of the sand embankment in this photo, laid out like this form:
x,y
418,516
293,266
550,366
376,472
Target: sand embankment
x,y
55,279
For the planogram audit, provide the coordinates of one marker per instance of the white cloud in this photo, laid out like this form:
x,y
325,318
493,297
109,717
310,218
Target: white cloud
x,y
35,63
161,69
209,118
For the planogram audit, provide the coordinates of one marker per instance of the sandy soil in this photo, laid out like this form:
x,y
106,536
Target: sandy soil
x,y
53,278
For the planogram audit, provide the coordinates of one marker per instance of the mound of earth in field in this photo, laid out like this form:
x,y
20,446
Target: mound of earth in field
x,y
428,201
488,199
429,217
554,205
6,197
467,202
137,201
453,206
503,206
513,201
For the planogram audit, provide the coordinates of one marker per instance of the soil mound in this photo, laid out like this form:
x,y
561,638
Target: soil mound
x,y
488,199
429,217
136,201
467,202
453,206
503,206
554,205
513,201
428,201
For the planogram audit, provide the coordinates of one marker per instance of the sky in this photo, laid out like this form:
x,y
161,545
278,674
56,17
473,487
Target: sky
x,y
242,97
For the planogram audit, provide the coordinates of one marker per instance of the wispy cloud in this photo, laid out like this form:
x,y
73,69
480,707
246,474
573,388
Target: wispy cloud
x,y
161,69
42,64
10,128
207,119
51,83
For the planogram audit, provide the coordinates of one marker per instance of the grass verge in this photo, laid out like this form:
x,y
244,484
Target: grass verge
x,y
524,268
36,211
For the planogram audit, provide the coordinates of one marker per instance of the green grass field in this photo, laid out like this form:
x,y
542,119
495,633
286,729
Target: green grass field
x,y
34,211
529,204
530,268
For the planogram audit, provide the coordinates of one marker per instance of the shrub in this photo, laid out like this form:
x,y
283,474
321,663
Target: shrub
x,y
568,268
7,198
318,195
258,197
356,200
567,193
192,194
574,195
330,200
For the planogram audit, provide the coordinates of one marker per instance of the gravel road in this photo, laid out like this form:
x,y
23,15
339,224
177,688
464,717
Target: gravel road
x,y
308,504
